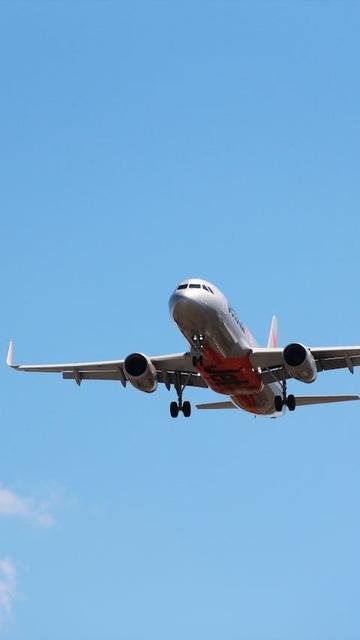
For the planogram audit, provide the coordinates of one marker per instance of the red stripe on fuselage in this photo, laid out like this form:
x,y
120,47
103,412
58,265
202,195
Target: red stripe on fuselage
x,y
230,376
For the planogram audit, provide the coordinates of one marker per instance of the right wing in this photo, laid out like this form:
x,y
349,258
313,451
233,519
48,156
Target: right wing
x,y
270,360
168,369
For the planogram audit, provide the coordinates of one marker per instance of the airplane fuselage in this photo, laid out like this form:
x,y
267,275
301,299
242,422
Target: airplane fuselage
x,y
200,309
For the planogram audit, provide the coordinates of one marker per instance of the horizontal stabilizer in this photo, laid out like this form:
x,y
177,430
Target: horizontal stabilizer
x,y
304,400
216,405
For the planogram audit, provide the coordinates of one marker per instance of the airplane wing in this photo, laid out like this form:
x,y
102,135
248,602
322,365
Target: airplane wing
x,y
168,367
271,360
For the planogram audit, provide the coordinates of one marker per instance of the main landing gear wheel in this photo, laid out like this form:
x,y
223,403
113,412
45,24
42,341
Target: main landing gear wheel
x,y
186,409
180,384
174,409
285,400
290,403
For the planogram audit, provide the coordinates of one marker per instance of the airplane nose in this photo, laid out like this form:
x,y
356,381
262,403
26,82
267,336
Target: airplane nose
x,y
184,307
176,303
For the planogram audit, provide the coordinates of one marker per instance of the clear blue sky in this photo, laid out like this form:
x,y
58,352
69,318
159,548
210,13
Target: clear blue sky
x,y
142,143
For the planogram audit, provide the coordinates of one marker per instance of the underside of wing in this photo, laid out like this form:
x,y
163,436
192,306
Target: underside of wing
x,y
271,361
170,369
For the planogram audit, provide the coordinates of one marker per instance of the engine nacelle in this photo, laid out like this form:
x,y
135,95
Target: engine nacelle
x,y
299,362
140,372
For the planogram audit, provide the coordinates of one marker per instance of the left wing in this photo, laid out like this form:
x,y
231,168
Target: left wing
x,y
271,360
168,369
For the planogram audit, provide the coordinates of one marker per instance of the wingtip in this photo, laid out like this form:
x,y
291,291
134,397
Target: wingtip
x,y
9,359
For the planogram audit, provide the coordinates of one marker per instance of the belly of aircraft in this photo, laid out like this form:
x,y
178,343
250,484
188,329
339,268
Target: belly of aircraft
x,y
226,363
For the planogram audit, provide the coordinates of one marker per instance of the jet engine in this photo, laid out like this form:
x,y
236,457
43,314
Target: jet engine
x,y
140,372
299,362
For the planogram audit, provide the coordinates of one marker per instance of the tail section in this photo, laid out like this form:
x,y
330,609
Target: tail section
x,y
273,335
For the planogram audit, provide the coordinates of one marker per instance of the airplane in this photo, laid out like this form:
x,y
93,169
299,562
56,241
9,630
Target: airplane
x,y
223,356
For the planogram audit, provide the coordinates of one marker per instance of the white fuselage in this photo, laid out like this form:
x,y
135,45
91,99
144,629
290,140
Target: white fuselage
x,y
200,308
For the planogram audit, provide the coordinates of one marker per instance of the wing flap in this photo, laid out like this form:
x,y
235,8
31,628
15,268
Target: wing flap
x,y
92,375
165,377
191,380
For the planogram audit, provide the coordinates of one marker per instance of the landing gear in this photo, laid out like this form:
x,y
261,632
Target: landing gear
x,y
291,403
186,409
198,342
288,401
176,407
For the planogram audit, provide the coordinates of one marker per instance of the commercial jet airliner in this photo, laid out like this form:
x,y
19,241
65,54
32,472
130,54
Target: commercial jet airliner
x,y
223,355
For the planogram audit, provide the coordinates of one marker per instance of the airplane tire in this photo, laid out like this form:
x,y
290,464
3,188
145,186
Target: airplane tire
x,y
174,410
278,403
186,409
291,403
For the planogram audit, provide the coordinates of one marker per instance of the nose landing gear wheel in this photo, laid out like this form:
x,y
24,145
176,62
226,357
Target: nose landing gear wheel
x,y
198,342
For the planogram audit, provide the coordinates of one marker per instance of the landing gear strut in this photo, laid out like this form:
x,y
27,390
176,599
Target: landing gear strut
x,y
285,400
198,342
185,406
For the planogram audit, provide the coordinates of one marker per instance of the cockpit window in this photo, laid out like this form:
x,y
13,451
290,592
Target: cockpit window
x,y
205,287
194,286
211,291
182,286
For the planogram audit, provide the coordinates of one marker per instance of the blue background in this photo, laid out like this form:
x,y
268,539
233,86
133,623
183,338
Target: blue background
x,y
143,143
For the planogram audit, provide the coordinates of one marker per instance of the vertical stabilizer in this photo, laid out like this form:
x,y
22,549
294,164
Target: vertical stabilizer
x,y
273,335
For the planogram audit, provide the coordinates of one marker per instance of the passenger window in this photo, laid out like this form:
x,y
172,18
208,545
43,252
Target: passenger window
x,y
182,286
194,286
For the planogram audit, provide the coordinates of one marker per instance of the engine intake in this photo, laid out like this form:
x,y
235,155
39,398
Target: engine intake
x,y
140,372
299,362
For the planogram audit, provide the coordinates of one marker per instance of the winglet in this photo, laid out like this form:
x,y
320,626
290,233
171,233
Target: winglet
x,y
273,335
9,359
